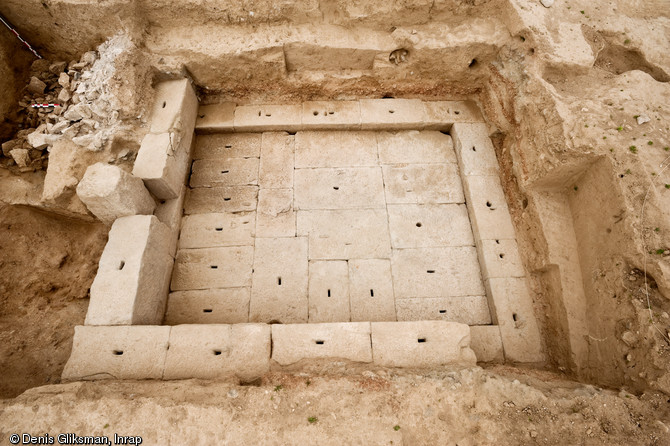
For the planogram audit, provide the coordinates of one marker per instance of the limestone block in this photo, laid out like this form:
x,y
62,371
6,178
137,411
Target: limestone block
x,y
220,199
423,183
371,290
131,352
436,272
512,309
413,146
488,209
470,310
277,161
130,287
341,115
341,188
335,149
279,284
421,344
328,291
224,172
378,114
109,193
175,108
295,342
346,234
439,115
485,341
216,351
225,267
170,212
430,225
63,170
268,118
229,145
215,118
162,162
212,306
217,229
275,216
500,258
474,149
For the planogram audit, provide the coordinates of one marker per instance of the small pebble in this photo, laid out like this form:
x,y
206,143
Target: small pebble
x,y
641,119
547,3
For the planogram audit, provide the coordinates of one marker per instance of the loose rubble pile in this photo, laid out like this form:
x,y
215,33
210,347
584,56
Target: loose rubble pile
x,y
83,110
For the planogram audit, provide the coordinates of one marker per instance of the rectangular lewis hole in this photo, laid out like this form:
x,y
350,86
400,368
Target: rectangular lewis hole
x,y
319,342
207,310
117,352
278,280
421,340
217,352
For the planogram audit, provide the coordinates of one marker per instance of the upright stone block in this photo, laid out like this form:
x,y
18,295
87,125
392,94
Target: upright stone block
x,y
110,192
131,285
175,108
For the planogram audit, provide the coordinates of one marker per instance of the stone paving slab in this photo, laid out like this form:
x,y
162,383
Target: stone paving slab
x,y
213,306
268,118
343,115
217,229
329,291
436,272
280,278
335,149
275,216
470,310
427,226
377,114
204,200
277,160
422,183
341,188
227,145
346,234
226,172
225,267
414,146
371,290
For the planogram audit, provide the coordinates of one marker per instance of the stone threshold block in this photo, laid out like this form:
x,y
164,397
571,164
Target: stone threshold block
x,y
474,149
130,352
211,306
332,115
218,351
439,115
204,268
487,344
131,285
421,344
296,342
268,118
380,114
110,192
216,118
488,209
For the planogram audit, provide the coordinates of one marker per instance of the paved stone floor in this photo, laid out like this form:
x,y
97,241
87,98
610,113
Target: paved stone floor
x,y
326,226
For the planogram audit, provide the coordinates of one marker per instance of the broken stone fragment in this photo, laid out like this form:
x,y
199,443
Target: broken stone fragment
x,y
89,57
83,141
547,3
641,119
36,86
629,338
9,145
40,141
64,80
64,95
78,66
57,67
21,157
59,127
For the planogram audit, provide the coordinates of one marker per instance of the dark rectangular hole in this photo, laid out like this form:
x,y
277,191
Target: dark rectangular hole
x,y
430,271
121,265
443,311
118,352
228,146
372,293
319,342
421,340
278,280
225,171
328,293
218,229
514,316
214,266
217,352
207,310
226,199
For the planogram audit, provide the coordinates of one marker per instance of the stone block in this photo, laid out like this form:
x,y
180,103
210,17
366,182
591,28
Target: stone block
x,y
500,258
335,149
217,229
229,145
488,209
379,114
162,162
212,306
268,118
296,342
436,272
474,149
422,183
331,115
275,216
226,267
279,285
130,352
277,161
415,147
215,118
110,192
175,108
217,351
371,290
341,188
429,225
328,291
346,234
131,285
224,172
512,310
485,341
470,310
421,344
204,200
170,212
439,115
